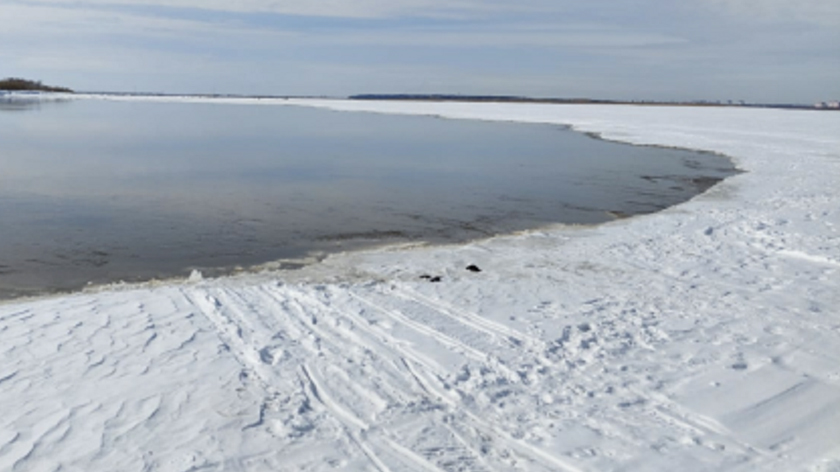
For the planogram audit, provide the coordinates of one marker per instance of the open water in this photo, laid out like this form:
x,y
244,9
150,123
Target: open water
x,y
100,191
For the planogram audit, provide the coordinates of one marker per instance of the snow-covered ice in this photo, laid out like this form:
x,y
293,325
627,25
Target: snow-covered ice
x,y
703,337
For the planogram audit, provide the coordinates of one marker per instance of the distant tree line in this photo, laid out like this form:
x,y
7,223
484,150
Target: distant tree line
x,y
590,101
472,98
15,84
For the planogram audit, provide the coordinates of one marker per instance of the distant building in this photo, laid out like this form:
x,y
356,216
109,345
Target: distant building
x,y
835,105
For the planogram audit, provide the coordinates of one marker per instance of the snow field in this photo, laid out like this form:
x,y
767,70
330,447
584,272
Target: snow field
x,y
704,337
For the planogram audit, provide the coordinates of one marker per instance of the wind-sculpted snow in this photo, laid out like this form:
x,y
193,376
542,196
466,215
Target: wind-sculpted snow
x,y
704,337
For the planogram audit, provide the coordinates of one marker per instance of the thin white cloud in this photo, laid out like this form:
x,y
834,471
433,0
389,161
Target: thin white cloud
x,y
545,36
814,11
45,21
324,8
825,12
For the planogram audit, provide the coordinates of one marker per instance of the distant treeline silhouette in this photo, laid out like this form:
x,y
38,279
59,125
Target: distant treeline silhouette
x,y
569,101
472,98
14,83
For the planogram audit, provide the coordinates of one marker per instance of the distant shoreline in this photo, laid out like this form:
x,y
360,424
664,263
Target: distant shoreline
x,y
440,98
572,101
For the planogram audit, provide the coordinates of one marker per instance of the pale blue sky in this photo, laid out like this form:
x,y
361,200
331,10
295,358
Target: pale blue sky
x,y
754,50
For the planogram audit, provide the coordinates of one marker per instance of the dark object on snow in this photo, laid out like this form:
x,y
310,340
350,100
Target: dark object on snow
x,y
436,278
426,276
473,268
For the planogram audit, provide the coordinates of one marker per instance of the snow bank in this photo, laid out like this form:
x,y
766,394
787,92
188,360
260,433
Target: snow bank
x,y
704,337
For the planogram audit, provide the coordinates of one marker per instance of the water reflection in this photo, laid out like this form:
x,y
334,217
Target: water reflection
x,y
15,104
102,191
20,101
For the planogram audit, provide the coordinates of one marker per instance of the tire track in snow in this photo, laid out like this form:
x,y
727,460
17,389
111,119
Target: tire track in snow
x,y
514,339
377,340
350,422
662,407
445,339
396,354
521,447
356,428
248,355
304,307
454,407
472,320
231,334
299,306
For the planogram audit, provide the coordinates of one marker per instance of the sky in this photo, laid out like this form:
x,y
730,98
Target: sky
x,y
767,51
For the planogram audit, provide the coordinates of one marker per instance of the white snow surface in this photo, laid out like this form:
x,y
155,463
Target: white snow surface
x,y
705,337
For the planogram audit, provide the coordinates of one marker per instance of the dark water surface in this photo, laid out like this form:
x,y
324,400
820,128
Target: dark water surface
x,y
96,191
